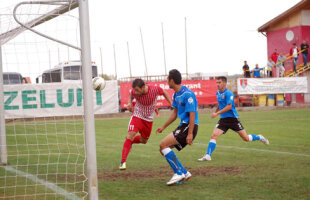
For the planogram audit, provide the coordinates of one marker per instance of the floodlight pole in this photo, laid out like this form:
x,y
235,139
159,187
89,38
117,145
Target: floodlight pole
x,y
186,63
101,62
129,61
115,62
147,75
89,120
3,147
162,31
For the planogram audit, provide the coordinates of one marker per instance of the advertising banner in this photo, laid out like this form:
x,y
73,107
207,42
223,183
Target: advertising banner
x,y
205,91
272,85
56,99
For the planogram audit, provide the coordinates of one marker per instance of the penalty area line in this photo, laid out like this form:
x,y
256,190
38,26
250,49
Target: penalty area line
x,y
49,185
261,150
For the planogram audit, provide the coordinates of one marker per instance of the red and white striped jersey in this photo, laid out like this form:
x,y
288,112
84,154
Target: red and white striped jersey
x,y
146,103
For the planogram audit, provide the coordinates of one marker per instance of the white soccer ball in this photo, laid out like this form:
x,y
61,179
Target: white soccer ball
x,y
98,83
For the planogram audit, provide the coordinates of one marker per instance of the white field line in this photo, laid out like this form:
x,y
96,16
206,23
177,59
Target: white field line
x,y
261,150
221,146
49,185
276,120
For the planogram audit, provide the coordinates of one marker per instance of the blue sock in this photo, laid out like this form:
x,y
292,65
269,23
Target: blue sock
x,y
184,171
211,146
174,162
254,137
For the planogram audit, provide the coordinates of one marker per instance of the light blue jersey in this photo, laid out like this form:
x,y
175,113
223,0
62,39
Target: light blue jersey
x,y
185,101
225,98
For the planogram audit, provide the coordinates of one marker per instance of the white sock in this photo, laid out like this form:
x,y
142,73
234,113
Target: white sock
x,y
213,141
165,151
250,138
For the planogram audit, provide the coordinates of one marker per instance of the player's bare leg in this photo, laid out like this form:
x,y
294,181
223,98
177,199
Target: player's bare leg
x,y
252,137
212,144
168,141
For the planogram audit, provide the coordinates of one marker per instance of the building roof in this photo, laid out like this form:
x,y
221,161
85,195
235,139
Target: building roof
x,y
299,6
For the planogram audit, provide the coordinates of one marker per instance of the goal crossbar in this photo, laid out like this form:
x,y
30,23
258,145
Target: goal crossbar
x,y
9,35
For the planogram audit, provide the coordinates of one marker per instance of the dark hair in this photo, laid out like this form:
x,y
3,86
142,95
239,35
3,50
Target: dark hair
x,y
138,82
294,44
176,76
223,78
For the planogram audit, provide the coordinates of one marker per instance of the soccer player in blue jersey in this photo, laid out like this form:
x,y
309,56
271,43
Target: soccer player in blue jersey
x,y
185,107
229,119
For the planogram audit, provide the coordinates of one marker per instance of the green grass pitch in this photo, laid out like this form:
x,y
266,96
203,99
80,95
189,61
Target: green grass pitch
x,y
238,170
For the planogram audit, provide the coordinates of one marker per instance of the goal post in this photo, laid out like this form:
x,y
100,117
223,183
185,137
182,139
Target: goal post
x,y
3,147
90,139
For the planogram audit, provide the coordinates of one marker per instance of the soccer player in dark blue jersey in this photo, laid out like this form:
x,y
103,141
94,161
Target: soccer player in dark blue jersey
x,y
229,119
185,107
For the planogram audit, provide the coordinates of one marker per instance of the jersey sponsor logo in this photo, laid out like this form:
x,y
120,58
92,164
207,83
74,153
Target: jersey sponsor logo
x,y
231,97
190,100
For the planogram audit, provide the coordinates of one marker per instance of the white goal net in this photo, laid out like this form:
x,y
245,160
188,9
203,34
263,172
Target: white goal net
x,y
42,100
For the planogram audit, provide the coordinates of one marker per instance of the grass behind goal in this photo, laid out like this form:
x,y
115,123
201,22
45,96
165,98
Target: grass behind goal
x,y
238,170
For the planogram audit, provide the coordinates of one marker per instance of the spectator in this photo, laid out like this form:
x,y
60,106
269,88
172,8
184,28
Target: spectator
x,y
305,46
270,65
246,70
280,65
294,52
274,56
256,71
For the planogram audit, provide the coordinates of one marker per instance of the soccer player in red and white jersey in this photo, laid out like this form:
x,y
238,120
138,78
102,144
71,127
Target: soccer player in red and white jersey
x,y
133,103
143,112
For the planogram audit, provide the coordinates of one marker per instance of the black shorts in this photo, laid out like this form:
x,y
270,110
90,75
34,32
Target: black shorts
x,y
180,135
229,123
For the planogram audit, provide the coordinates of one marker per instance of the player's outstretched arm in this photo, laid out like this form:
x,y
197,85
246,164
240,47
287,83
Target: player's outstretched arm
x,y
213,115
167,97
171,119
225,109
